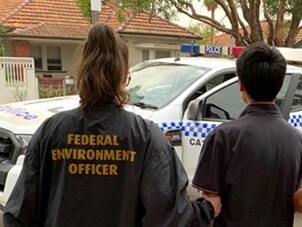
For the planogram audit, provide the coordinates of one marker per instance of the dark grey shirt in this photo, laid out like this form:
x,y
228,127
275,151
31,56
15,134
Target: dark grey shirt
x,y
254,163
103,167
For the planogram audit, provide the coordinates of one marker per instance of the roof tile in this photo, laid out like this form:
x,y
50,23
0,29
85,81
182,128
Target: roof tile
x,y
8,6
53,18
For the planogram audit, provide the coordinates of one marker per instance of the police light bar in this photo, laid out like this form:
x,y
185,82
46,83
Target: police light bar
x,y
204,50
190,48
213,49
292,55
236,50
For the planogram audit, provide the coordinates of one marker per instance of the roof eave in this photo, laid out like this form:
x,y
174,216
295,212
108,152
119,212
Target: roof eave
x,y
37,37
157,35
25,37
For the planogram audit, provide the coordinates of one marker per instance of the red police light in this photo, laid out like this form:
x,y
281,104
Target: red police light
x,y
236,50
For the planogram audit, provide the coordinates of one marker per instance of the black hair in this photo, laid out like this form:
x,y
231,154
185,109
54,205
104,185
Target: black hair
x,y
261,69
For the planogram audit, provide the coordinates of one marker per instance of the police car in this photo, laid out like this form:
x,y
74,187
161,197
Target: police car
x,y
187,97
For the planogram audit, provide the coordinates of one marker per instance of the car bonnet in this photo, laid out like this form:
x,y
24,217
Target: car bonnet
x,y
25,117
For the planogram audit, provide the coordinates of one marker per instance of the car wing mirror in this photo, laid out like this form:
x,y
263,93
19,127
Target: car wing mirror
x,y
194,110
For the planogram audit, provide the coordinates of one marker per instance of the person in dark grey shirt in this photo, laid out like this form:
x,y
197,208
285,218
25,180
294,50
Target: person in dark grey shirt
x,y
254,162
99,165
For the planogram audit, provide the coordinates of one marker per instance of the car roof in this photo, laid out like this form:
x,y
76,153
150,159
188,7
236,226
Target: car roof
x,y
205,62
213,62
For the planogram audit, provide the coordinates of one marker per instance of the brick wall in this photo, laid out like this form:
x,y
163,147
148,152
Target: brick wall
x,y
51,82
21,48
55,86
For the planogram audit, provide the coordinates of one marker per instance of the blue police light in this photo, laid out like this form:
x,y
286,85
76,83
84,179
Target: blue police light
x,y
190,48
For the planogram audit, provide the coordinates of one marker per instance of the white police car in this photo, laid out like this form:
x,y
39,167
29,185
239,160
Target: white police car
x,y
161,90
189,97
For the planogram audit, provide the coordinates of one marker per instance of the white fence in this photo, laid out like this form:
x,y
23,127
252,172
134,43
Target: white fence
x,y
17,79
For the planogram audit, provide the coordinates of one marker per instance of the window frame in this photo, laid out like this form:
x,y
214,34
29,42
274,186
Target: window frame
x,y
57,60
37,58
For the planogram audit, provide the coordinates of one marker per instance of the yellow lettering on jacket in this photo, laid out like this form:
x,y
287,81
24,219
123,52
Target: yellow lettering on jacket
x,y
92,140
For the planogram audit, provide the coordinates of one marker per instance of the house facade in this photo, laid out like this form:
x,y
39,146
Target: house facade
x,y
52,31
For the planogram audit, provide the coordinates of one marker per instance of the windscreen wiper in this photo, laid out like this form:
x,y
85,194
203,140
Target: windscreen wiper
x,y
145,105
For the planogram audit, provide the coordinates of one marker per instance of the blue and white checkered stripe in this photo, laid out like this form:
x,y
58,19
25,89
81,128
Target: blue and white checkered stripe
x,y
190,129
201,130
164,126
295,120
196,129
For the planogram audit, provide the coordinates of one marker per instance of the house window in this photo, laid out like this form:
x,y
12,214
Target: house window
x,y
54,58
162,54
35,52
146,55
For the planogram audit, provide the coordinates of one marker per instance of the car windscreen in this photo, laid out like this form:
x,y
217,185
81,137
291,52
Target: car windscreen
x,y
155,84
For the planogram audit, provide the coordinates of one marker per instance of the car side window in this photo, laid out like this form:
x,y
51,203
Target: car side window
x,y
218,80
297,101
208,86
224,104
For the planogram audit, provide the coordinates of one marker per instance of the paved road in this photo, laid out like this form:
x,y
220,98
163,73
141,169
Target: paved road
x,y
298,220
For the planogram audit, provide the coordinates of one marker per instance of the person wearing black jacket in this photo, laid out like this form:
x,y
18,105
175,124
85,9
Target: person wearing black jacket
x,y
100,165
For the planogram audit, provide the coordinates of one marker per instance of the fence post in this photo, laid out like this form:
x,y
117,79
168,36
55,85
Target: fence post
x,y
64,87
32,83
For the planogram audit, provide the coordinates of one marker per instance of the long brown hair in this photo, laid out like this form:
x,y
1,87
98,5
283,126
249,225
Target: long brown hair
x,y
101,69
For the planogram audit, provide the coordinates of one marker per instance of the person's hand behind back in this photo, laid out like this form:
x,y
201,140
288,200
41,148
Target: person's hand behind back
x,y
298,200
214,199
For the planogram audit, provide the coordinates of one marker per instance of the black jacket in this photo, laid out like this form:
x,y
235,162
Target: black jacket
x,y
102,167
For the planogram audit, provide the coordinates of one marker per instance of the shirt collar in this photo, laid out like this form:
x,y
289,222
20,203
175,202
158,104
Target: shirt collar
x,y
262,102
263,109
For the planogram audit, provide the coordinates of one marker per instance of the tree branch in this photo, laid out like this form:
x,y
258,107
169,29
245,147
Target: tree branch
x,y
235,24
245,10
293,31
269,20
205,19
279,24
